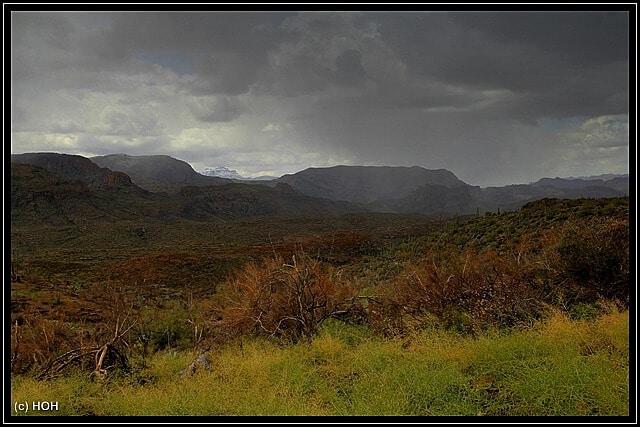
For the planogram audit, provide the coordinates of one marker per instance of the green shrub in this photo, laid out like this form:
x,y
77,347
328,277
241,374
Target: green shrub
x,y
594,258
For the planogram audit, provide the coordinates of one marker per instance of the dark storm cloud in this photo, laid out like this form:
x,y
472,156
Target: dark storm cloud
x,y
472,92
324,50
228,49
216,109
580,37
593,91
551,61
348,68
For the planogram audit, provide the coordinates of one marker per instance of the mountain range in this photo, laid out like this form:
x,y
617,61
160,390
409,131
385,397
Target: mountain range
x,y
63,188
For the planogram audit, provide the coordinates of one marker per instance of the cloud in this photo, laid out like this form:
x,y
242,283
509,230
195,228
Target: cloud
x,y
582,37
215,108
323,49
495,97
130,120
41,142
276,127
348,68
606,131
556,63
597,145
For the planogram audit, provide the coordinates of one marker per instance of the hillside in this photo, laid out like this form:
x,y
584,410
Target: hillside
x,y
431,199
157,173
76,167
412,190
365,184
343,310
242,200
42,197
440,192
515,196
96,194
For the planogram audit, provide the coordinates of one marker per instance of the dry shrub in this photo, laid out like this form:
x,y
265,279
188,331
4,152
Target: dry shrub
x,y
50,343
466,292
594,261
36,340
287,300
584,263
576,264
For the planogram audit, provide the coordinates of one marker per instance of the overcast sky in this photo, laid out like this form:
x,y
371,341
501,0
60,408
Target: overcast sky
x,y
495,97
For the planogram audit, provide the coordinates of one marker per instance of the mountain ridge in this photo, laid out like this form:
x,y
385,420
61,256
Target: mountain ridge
x,y
75,167
157,172
331,190
366,184
50,189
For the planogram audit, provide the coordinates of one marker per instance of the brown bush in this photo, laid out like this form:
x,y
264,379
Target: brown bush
x,y
466,292
285,300
576,262
36,340
594,261
51,343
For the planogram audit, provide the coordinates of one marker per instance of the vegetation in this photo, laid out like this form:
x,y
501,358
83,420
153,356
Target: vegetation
x,y
558,367
511,313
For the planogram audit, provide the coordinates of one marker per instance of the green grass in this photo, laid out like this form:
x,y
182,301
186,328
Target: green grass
x,y
558,367
72,277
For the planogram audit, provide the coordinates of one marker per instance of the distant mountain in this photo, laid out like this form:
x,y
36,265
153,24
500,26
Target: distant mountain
x,y
573,182
165,188
261,178
222,172
63,195
620,183
75,167
604,176
157,172
515,196
74,191
431,199
366,184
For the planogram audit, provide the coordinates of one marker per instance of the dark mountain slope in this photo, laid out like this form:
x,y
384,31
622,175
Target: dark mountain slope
x,y
157,173
365,184
240,200
76,167
431,199
314,191
515,196
41,197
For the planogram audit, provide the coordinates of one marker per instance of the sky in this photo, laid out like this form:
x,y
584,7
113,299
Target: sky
x,y
495,97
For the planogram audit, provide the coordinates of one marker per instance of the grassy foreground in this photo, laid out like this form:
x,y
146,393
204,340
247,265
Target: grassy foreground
x,y
557,367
